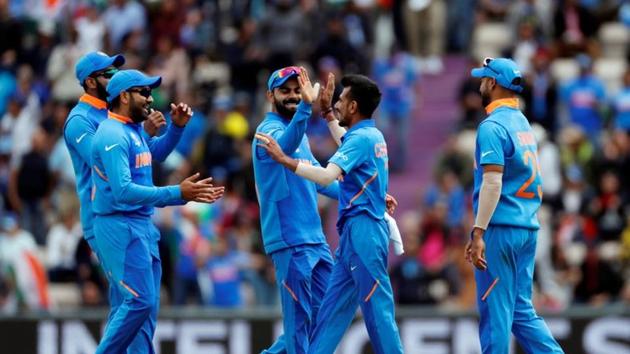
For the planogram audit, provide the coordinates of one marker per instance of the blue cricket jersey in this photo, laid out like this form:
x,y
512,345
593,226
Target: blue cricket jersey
x,y
121,161
78,132
288,203
363,158
505,138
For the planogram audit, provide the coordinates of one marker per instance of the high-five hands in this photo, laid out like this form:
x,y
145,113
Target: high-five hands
x,y
201,191
326,94
309,92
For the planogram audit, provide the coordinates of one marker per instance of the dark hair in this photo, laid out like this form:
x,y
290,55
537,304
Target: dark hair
x,y
113,104
364,91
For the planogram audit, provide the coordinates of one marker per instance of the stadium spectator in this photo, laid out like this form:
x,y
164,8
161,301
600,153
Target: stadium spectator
x,y
584,99
540,93
397,77
621,105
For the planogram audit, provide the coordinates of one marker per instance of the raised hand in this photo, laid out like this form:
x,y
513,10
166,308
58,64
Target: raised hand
x,y
202,191
155,121
180,114
309,91
326,94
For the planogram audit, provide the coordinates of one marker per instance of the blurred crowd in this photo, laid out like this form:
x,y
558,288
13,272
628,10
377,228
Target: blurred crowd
x,y
217,55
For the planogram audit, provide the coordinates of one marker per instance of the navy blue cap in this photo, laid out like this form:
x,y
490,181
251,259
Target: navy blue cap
x,y
95,61
280,76
504,70
126,79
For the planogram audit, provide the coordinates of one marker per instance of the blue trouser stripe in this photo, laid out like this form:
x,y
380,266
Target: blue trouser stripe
x,y
127,248
302,274
507,306
359,278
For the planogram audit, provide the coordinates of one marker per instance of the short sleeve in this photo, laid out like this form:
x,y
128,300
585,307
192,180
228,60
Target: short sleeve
x,y
491,140
350,154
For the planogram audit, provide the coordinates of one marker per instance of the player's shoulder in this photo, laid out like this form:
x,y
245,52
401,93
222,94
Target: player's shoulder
x,y
364,134
77,114
110,129
268,125
492,126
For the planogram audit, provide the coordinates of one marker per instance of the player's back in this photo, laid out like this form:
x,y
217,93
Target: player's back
x,y
521,192
79,128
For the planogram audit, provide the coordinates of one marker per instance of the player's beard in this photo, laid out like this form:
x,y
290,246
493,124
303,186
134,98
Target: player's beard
x,y
485,100
138,113
101,91
484,90
343,121
283,110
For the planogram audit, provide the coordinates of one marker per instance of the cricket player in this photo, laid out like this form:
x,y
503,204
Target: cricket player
x,y
123,204
93,72
359,276
291,225
507,195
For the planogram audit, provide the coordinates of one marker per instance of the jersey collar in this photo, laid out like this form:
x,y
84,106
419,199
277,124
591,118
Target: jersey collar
x,y
365,123
93,101
503,102
119,117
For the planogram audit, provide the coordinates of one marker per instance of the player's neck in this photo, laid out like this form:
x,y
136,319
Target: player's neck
x,y
122,111
93,93
356,120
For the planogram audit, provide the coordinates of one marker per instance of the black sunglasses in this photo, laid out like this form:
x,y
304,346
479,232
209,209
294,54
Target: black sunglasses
x,y
144,92
105,73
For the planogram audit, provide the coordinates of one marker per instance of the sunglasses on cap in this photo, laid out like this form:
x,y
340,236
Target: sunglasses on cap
x,y
144,91
104,73
486,64
289,70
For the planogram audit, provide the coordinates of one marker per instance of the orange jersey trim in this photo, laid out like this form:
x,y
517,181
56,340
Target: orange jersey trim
x,y
119,117
503,102
370,180
100,174
93,101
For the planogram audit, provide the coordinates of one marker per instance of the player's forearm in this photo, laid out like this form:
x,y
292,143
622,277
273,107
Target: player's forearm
x,y
162,146
131,193
292,136
317,174
489,195
335,129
